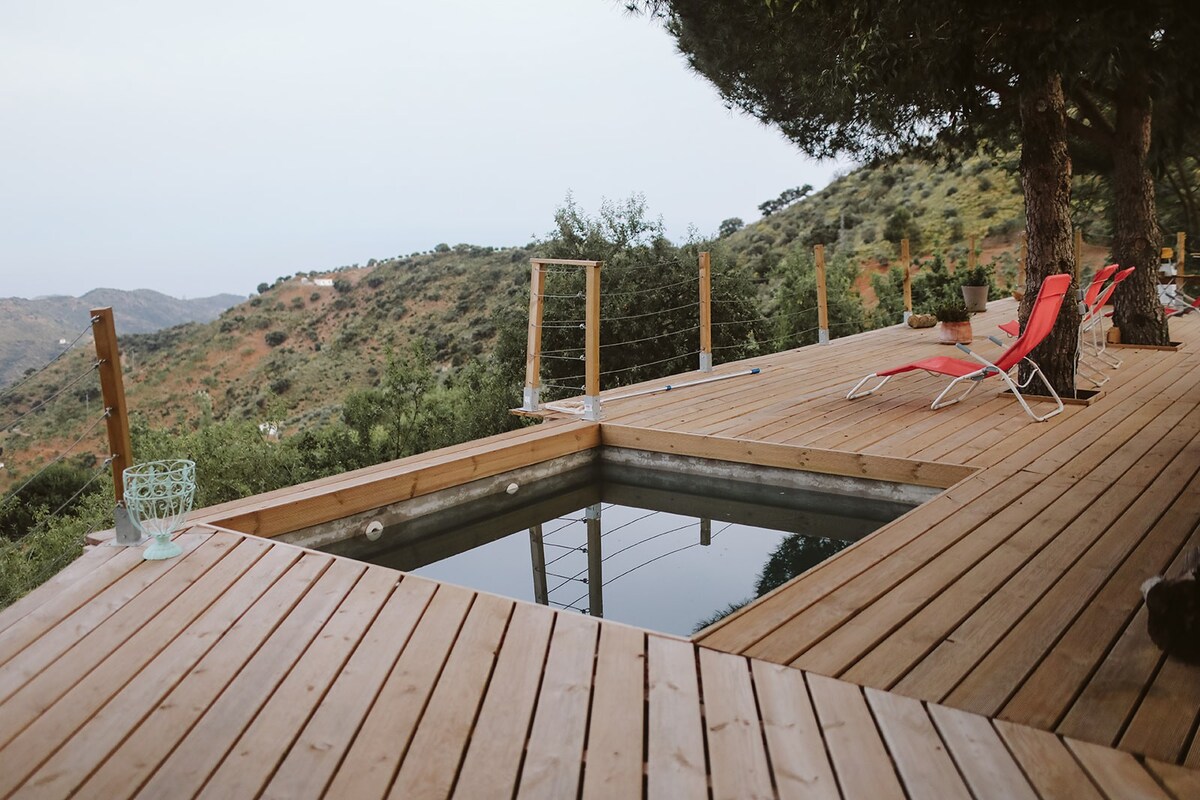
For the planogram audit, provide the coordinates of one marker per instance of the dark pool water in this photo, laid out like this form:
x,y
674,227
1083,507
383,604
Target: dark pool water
x,y
657,550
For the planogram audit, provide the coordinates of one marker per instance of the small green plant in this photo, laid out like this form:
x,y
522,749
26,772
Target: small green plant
x,y
978,275
952,312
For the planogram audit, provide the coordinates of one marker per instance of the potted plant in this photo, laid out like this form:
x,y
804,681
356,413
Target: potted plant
x,y
975,284
955,324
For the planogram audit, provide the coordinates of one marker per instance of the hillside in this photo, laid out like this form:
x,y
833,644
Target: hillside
x,y
291,354
31,330
864,214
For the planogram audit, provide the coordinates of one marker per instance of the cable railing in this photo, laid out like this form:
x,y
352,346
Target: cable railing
x,y
40,421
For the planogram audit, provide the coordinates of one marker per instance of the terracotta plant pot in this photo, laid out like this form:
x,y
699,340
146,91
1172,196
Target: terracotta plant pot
x,y
975,297
954,332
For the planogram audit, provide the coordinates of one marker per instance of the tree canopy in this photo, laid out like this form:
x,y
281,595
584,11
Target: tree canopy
x,y
875,78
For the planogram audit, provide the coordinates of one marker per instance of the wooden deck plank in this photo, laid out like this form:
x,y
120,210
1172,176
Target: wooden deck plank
x,y
1165,719
373,758
48,710
1045,697
1118,774
985,762
797,750
614,742
737,753
72,616
433,758
862,763
675,762
315,755
555,750
959,541
1012,568
79,569
1182,783
1048,763
46,681
921,758
768,617
258,751
127,739
1010,663
493,758
210,740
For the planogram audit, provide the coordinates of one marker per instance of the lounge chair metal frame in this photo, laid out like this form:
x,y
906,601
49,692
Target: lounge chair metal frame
x,y
1045,311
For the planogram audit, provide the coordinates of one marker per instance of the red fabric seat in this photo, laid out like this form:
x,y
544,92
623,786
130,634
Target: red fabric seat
x,y
1038,327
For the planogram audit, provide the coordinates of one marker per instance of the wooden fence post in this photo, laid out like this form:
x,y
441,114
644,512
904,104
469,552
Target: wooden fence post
x,y
112,388
120,445
971,258
822,299
906,264
1180,255
706,361
533,347
595,561
1021,275
1078,254
591,384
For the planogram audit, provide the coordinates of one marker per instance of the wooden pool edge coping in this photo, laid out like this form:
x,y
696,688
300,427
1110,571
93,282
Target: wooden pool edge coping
x,y
292,508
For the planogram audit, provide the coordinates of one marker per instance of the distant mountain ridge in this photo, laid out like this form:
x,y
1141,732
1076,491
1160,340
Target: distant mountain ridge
x,y
31,330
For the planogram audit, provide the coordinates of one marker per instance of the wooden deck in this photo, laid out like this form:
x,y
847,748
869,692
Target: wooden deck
x,y
251,668
990,643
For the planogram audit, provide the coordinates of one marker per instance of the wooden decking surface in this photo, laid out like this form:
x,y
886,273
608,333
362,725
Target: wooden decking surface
x,y
990,643
1015,593
251,668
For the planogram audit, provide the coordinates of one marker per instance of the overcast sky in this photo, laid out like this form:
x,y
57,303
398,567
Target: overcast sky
x,y
204,147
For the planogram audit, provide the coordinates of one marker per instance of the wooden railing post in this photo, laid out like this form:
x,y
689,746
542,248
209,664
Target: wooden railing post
x,y
112,388
1078,255
706,360
822,299
595,561
120,445
1180,255
533,348
591,384
537,552
1021,259
971,257
906,265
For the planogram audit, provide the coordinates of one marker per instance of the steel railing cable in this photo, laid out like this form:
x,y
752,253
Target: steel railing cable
x,y
8,426
651,363
652,560
100,470
49,363
651,290
657,313
652,338
57,458
767,341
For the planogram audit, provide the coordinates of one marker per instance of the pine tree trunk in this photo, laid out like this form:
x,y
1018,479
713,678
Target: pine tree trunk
x,y
1138,312
1046,179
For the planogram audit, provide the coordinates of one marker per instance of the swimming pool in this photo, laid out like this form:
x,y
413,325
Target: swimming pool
x,y
669,549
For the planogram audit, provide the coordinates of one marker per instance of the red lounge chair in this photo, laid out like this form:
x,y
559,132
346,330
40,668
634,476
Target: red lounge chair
x,y
1089,298
1041,320
1093,322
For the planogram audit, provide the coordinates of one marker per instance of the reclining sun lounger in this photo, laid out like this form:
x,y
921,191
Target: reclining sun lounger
x,y
1041,321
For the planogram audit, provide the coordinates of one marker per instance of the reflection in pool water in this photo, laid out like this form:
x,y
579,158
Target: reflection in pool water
x,y
666,552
